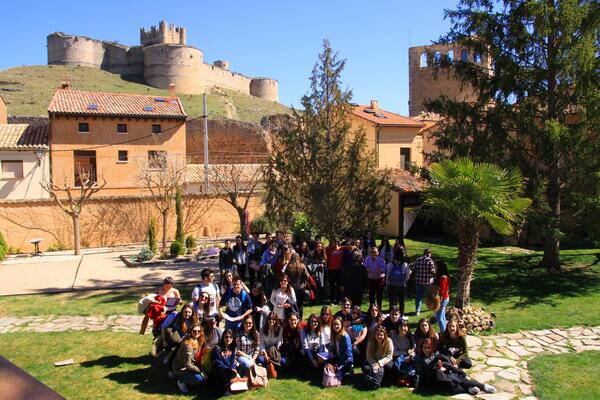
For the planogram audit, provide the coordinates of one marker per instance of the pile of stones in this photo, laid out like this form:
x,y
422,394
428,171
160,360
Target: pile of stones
x,y
472,319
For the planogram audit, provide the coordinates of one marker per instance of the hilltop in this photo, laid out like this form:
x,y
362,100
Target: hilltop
x,y
28,91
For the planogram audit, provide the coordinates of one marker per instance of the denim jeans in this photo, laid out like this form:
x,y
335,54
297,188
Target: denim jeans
x,y
397,294
244,364
441,315
420,293
192,379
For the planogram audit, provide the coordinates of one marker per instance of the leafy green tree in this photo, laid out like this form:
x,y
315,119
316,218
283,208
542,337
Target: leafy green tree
x,y
538,103
318,166
152,244
471,195
179,235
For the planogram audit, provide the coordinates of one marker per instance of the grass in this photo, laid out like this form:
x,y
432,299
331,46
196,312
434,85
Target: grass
x,y
29,89
566,376
110,365
507,282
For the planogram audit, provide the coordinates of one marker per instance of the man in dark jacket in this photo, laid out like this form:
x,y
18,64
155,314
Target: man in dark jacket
x,y
354,276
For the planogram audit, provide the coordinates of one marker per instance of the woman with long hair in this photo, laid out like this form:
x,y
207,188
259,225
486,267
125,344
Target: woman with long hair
x,y
341,359
312,341
240,256
386,250
291,342
298,276
372,318
379,357
404,351
212,331
224,370
174,328
398,274
316,261
260,306
247,343
425,331
185,367
202,306
271,338
325,321
283,298
443,282
358,335
453,343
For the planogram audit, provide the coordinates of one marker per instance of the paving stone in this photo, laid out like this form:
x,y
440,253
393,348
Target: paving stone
x,y
520,351
528,398
473,341
508,353
496,396
501,362
560,332
514,335
513,342
505,386
492,353
529,343
501,343
462,396
555,337
510,374
589,342
494,369
525,389
535,349
476,355
484,377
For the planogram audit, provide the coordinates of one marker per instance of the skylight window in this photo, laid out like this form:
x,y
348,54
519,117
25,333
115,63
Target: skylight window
x,y
148,108
92,106
160,99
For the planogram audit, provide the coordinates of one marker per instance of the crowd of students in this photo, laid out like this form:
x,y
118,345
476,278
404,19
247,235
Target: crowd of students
x,y
228,330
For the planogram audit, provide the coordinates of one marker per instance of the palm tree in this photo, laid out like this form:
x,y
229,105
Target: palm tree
x,y
471,195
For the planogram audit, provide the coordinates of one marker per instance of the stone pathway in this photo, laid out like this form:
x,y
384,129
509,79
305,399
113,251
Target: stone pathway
x,y
500,360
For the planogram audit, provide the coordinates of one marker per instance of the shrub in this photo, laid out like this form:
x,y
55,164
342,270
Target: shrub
x,y
176,249
262,224
190,243
301,227
3,247
152,236
13,250
145,255
179,211
58,246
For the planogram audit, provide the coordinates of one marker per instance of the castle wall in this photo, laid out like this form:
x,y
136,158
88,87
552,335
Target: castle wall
x,y
215,76
422,84
181,65
265,88
75,50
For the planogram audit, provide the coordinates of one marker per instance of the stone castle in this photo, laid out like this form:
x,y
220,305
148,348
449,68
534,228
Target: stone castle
x,y
162,58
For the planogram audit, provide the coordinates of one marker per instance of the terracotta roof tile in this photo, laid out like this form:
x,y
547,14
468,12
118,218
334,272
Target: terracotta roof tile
x,y
382,117
406,182
76,102
23,137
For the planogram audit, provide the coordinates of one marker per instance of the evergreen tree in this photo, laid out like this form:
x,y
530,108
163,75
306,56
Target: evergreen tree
x,y
538,104
152,244
320,167
179,235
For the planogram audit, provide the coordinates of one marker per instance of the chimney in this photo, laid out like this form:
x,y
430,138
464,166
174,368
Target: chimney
x,y
65,85
172,91
374,104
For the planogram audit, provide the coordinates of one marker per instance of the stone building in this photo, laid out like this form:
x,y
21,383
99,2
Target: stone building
x,y
423,85
162,58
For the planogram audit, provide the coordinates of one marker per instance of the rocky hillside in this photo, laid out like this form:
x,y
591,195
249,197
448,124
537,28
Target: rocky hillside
x,y
28,90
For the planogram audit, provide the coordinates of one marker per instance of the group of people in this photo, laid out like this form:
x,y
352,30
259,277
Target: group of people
x,y
228,330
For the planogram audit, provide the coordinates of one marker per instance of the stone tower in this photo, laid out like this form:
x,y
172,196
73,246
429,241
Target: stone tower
x,y
422,84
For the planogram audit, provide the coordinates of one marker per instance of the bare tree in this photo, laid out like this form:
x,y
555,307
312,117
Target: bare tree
x,y
195,208
160,176
72,197
237,184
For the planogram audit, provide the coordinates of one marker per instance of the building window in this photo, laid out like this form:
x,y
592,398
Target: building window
x,y
157,159
477,57
423,60
12,169
451,55
464,55
437,57
404,157
84,165
121,128
156,128
123,156
84,127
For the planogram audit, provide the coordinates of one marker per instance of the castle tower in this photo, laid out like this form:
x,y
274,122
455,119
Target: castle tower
x,y
423,86
265,88
164,34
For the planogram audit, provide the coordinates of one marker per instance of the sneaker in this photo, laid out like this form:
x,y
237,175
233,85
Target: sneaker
x,y
154,350
182,387
489,388
171,375
474,390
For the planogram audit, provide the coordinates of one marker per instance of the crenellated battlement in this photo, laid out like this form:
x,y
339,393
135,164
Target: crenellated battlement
x,y
163,34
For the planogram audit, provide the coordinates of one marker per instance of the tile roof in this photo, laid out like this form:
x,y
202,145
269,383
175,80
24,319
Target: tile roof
x,y
382,117
406,182
23,137
77,102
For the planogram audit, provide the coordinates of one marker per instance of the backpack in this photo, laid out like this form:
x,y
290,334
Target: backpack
x,y
258,377
331,379
396,275
144,303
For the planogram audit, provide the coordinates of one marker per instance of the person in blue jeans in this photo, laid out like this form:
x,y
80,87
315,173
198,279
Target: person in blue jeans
x,y
444,285
424,272
341,348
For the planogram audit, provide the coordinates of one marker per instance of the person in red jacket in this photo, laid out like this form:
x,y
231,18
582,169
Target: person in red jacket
x,y
334,269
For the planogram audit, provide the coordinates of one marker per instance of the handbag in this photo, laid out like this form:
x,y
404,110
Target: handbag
x,y
258,377
331,379
239,385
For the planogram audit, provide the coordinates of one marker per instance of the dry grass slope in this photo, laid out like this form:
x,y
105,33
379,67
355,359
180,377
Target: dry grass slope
x,y
28,90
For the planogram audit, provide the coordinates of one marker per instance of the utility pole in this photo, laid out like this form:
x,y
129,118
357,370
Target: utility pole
x,y
205,116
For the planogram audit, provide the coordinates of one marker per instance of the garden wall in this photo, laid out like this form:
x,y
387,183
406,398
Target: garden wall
x,y
110,221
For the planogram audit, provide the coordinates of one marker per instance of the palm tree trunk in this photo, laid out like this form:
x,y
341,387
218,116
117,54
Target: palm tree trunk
x,y
468,242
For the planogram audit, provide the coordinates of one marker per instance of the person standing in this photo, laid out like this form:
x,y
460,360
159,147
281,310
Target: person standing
x,y
267,268
376,270
334,269
424,272
254,255
444,285
397,275
298,276
226,258
240,257
210,288
354,277
315,261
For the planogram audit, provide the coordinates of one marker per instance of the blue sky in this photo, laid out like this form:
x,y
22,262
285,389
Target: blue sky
x,y
279,39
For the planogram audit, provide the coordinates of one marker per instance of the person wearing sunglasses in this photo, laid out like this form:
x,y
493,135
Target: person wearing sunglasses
x,y
271,338
185,367
312,341
247,345
224,370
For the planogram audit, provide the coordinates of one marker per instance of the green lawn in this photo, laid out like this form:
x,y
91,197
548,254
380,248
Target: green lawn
x,y
566,376
110,365
507,281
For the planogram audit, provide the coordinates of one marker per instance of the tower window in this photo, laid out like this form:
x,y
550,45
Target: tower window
x,y
423,61
477,57
451,55
464,55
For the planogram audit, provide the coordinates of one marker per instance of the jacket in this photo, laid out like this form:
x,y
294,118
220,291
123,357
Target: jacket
x,y
184,361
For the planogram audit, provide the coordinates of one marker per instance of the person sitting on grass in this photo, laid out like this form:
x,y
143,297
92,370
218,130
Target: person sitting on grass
x,y
202,306
173,330
393,320
224,370
358,334
345,313
340,360
271,338
313,342
437,371
453,344
247,343
373,317
237,305
212,332
291,346
404,351
379,358
425,331
185,367
325,321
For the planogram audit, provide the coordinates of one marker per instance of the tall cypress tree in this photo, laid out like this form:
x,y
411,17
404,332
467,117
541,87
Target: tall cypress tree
x,y
538,105
179,235
322,168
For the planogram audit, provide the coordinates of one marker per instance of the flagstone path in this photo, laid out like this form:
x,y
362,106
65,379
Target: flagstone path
x,y
500,360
